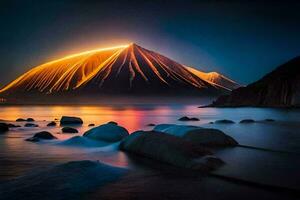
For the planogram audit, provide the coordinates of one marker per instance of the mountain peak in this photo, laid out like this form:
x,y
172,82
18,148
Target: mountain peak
x,y
125,69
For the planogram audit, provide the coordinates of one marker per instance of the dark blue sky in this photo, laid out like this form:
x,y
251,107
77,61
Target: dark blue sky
x,y
241,39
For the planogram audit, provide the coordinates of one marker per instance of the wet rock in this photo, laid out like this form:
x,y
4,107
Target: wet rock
x,y
112,122
109,132
270,120
198,135
185,118
91,124
224,121
246,121
13,125
66,120
169,149
44,135
69,130
71,180
20,120
53,123
31,125
30,119
151,125
4,127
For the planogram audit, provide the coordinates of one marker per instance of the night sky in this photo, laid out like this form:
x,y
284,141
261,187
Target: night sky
x,y
241,39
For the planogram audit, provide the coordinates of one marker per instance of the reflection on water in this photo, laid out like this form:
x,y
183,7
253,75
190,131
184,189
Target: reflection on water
x,y
18,156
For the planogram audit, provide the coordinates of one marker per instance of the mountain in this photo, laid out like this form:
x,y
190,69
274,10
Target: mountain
x,y
280,88
215,79
128,70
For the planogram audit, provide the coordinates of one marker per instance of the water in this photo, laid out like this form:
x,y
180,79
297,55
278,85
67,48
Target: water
x,y
18,157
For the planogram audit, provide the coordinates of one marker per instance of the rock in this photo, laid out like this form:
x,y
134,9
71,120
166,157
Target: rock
x,y
44,135
245,121
20,120
112,122
70,120
91,124
3,127
270,120
224,121
53,123
80,141
198,135
30,119
109,132
69,130
151,125
168,149
24,120
31,125
211,122
13,126
71,180
185,118
209,137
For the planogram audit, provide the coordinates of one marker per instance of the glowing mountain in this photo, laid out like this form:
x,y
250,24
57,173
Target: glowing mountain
x,y
127,69
215,79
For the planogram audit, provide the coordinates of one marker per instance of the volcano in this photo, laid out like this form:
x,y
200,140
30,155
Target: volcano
x,y
129,69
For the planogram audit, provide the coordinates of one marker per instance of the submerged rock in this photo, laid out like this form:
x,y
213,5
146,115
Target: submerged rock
x,y
224,121
69,130
270,120
185,118
30,119
169,149
53,123
66,181
44,135
13,126
109,132
198,135
80,141
150,124
70,120
245,121
20,120
4,127
31,125
112,122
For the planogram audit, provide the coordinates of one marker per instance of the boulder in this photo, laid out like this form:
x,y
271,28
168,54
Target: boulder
x,y
151,125
198,135
72,180
247,121
169,149
13,126
91,124
112,122
31,125
4,127
69,130
109,132
270,120
44,135
70,120
53,123
30,119
185,118
224,121
20,120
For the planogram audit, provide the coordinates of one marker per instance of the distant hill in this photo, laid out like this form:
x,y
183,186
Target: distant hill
x,y
280,88
216,79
